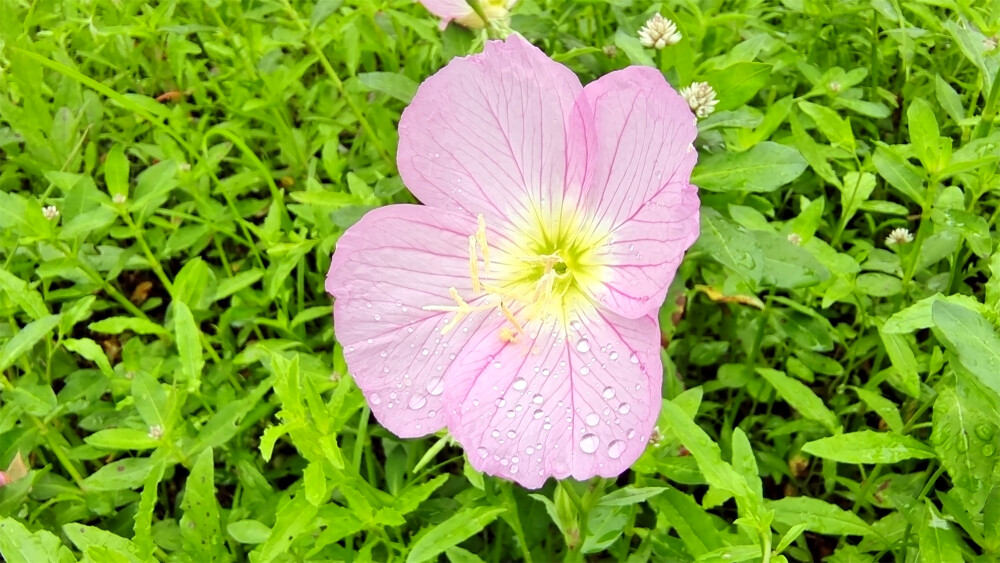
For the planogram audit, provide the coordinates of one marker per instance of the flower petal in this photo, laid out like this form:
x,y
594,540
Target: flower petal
x,y
490,134
386,269
639,187
448,10
564,402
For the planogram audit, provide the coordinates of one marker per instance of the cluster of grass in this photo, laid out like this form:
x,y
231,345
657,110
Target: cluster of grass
x,y
168,367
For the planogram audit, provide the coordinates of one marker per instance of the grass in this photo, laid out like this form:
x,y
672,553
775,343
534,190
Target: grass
x,y
168,368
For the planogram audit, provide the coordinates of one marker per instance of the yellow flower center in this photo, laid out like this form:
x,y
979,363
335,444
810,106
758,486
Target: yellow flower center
x,y
547,268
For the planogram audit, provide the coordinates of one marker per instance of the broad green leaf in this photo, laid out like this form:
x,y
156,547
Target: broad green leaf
x,y
454,530
122,439
314,484
731,245
745,463
764,168
836,129
857,188
293,520
937,538
150,399
25,339
90,350
195,284
867,446
788,265
629,495
901,175
248,531
85,537
903,360
186,333
925,135
18,544
971,337
919,315
878,284
411,497
396,85
949,99
18,291
818,516
801,398
200,527
965,437
127,473
736,84
888,410
116,171
694,526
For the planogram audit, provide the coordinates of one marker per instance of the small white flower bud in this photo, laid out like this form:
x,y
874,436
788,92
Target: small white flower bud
x,y
119,199
794,238
700,97
50,212
990,43
156,431
659,32
834,86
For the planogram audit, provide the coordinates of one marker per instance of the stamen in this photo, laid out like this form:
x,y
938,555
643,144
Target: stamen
x,y
481,237
510,317
474,266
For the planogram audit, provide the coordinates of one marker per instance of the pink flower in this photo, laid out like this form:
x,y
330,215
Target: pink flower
x,y
461,12
518,306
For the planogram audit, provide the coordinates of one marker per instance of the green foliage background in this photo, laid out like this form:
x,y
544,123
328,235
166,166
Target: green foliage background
x,y
168,367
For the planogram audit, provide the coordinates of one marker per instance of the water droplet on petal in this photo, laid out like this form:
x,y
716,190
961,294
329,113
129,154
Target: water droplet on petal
x,y
592,419
613,356
583,346
511,434
634,358
435,386
538,413
482,452
537,399
495,433
630,434
417,401
608,392
589,443
615,449
513,469
375,399
584,370
520,384
624,408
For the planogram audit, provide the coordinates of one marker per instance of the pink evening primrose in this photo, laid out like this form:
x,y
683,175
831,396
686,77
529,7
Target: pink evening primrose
x,y
518,306
461,12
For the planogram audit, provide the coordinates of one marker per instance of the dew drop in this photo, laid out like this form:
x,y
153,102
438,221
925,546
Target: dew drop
x,y
589,443
584,370
519,384
538,413
513,470
630,434
592,419
989,450
624,408
608,393
435,386
583,346
633,358
529,450
417,401
497,365
613,356
424,352
495,433
511,413
615,449
378,317
511,434
482,452
375,399
537,399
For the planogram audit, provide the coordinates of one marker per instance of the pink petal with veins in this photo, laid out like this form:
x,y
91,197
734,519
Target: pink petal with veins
x,y
387,267
640,186
567,401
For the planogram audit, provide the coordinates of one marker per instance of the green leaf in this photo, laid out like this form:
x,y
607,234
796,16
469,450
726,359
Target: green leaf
x,y
925,135
878,284
971,337
116,171
937,538
964,435
731,245
736,84
411,497
18,544
788,265
949,99
453,531
888,410
919,315
128,473
695,527
122,439
394,84
745,463
248,531
718,473
764,168
91,351
29,300
187,332
835,128
818,516
857,188
322,10
801,398
901,175
118,325
629,495
314,483
150,399
867,446
25,339
86,537
293,520
143,526
200,523
903,360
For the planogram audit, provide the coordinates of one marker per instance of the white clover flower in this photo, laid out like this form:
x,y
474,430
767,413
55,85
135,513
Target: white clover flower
x,y
119,199
659,32
899,235
834,86
794,238
50,212
156,431
700,97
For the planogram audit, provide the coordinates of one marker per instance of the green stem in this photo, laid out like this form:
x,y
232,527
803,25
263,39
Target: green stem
x,y
514,520
989,112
